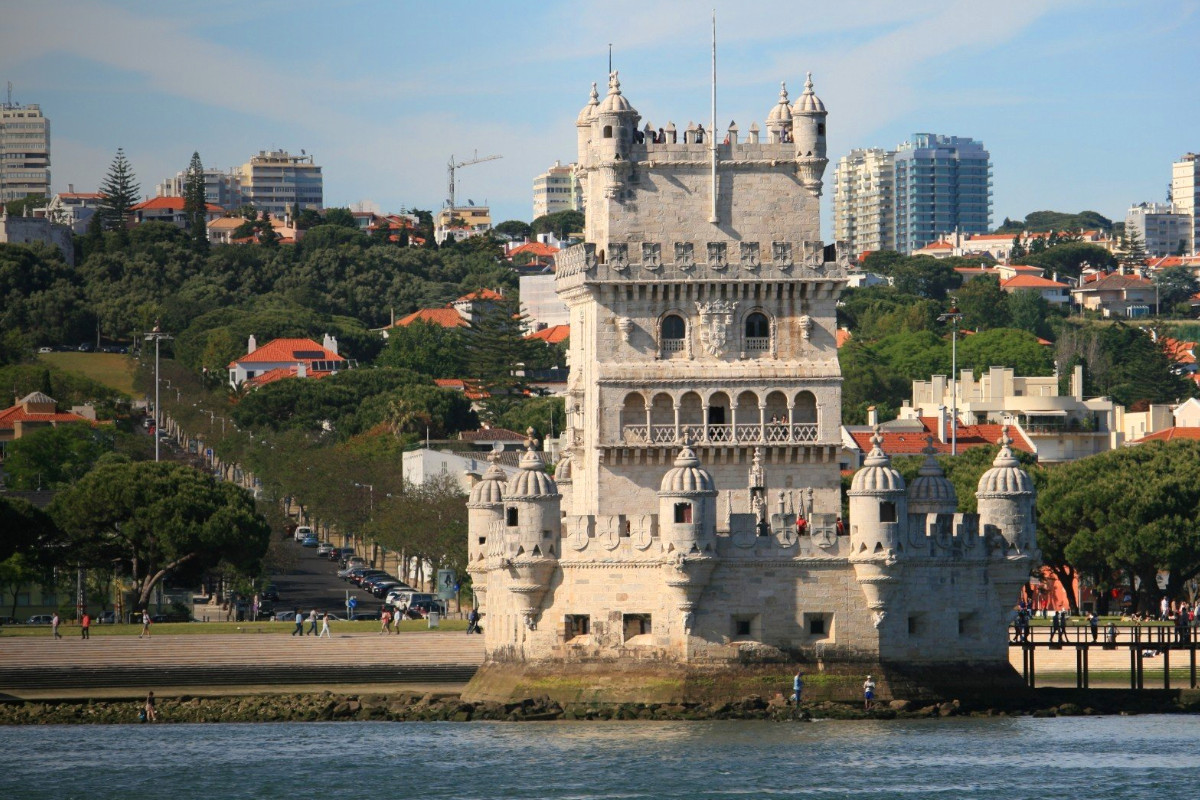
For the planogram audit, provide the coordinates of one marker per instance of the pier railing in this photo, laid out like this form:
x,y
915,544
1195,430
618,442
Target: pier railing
x,y
1142,642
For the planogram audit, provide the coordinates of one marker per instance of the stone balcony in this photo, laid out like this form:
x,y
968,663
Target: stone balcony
x,y
770,433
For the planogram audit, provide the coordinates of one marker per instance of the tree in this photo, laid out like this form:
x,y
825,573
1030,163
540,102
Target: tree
x,y
1029,311
54,458
1070,259
983,304
341,217
515,229
1175,285
29,531
1006,347
195,204
561,223
496,349
121,192
158,519
427,348
1133,253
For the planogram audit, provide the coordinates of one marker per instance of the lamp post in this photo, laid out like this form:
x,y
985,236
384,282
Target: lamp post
x,y
954,317
157,335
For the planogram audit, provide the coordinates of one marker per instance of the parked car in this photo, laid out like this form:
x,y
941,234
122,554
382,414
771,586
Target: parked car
x,y
397,594
341,554
420,608
39,619
309,541
381,588
170,618
324,549
365,575
45,349
270,593
301,532
106,618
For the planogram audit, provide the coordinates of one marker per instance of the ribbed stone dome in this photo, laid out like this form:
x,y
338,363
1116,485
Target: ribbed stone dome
x,y
1006,476
490,489
932,487
877,475
564,470
589,111
781,111
687,476
614,102
809,102
532,481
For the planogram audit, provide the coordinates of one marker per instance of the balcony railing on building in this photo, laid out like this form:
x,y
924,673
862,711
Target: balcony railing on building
x,y
752,433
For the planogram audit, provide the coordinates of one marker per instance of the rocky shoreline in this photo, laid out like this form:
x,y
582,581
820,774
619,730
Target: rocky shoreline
x,y
435,707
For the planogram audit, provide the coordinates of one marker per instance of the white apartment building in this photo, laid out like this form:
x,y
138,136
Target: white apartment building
x,y
1163,229
862,200
461,222
557,189
222,189
275,180
1185,195
24,152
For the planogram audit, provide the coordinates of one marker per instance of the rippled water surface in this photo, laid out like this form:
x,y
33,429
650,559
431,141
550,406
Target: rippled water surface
x,y
1153,757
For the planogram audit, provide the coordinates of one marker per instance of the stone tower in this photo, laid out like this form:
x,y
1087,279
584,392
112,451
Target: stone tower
x,y
693,516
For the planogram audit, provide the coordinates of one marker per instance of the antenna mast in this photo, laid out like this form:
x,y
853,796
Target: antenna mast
x,y
452,166
712,130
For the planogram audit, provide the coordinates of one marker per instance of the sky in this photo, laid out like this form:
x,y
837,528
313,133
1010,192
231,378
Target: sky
x,y
1083,105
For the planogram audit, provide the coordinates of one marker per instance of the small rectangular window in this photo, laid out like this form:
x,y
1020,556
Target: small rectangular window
x,y
635,625
683,512
887,512
818,624
914,625
577,625
510,517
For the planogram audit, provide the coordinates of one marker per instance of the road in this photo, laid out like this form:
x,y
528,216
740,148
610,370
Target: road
x,y
313,583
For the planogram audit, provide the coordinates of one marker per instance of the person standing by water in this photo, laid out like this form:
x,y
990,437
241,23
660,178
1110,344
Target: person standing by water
x,y
868,694
151,714
54,623
797,687
299,631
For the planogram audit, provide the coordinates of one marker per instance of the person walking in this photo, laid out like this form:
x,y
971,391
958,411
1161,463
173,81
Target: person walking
x,y
385,621
85,626
472,620
151,713
325,627
54,623
868,694
797,688
299,631
402,613
1094,622
145,623
312,622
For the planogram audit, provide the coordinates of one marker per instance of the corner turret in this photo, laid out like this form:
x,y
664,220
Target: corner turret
x,y
583,125
932,492
779,118
808,131
485,526
532,531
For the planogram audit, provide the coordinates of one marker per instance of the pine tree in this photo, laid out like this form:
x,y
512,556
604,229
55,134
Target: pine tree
x,y
496,351
195,204
121,191
1133,254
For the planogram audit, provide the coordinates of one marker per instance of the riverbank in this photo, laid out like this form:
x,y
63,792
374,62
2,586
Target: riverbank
x,y
410,706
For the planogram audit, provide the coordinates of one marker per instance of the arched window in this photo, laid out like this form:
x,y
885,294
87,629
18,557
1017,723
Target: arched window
x,y
673,331
758,332
608,131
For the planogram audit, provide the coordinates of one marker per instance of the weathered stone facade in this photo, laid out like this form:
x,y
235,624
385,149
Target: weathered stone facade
x,y
695,510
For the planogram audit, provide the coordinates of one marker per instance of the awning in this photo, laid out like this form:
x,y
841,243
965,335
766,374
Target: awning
x,y
1050,413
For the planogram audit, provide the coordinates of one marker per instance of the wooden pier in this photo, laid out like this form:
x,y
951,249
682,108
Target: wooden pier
x,y
1140,642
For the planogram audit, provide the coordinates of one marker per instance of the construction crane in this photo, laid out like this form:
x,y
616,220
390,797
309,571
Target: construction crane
x,y
452,166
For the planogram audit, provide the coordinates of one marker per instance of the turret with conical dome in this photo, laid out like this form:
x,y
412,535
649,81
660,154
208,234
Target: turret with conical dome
x,y
532,532
616,121
687,509
808,131
779,118
485,523
878,505
1006,498
932,492
583,123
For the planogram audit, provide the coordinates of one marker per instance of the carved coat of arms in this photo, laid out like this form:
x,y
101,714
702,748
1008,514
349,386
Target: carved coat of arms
x,y
716,324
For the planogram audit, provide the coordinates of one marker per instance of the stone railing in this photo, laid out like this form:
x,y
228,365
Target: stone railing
x,y
770,433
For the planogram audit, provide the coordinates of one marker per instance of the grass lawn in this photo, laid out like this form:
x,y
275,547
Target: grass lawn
x,y
111,369
206,628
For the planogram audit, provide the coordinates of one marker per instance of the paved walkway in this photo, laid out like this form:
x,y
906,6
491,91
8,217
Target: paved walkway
x,y
237,660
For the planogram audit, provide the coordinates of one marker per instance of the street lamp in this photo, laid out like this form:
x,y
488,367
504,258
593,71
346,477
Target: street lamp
x,y
954,317
157,335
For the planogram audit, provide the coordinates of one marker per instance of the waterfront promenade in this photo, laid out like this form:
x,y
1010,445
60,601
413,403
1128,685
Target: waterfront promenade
x,y
270,662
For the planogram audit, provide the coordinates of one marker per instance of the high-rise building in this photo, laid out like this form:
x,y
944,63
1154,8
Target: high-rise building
x,y
943,184
903,199
557,189
1162,228
275,180
1185,196
24,152
863,197
222,189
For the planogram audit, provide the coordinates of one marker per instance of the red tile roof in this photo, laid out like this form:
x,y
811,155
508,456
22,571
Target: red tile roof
x,y
287,350
446,317
459,385
281,373
482,294
552,335
1179,352
1116,282
1169,434
1031,282
169,204
492,435
842,336
913,442
534,249
9,417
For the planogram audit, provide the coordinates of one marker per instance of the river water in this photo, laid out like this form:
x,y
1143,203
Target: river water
x,y
1095,758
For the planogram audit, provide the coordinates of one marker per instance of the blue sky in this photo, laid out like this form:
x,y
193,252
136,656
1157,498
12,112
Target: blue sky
x,y
1082,104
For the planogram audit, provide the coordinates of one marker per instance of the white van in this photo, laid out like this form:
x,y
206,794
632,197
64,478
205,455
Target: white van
x,y
302,532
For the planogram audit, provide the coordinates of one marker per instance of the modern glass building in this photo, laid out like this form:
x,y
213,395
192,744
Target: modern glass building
x,y
942,184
